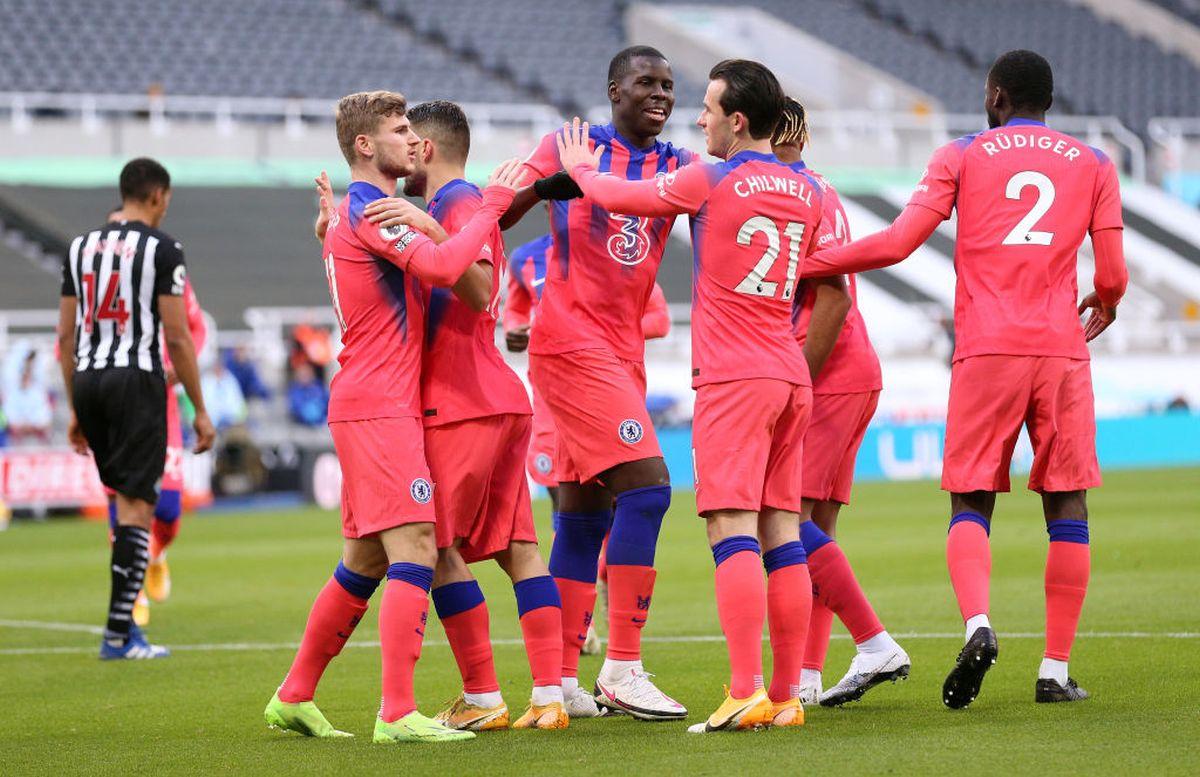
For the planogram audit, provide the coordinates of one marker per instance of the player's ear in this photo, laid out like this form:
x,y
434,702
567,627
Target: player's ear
x,y
364,146
614,92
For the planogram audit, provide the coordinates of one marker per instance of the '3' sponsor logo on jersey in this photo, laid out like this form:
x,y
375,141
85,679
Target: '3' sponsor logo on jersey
x,y
631,245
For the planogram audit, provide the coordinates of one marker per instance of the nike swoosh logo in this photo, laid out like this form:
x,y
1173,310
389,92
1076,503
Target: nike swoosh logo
x,y
582,637
638,620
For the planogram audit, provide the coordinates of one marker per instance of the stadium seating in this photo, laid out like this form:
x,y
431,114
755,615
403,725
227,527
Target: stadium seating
x,y
481,51
1185,9
1099,67
248,48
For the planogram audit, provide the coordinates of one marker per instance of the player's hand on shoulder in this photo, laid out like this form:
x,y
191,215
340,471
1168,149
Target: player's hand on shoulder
x,y
325,205
206,433
573,149
1100,319
396,211
508,175
517,338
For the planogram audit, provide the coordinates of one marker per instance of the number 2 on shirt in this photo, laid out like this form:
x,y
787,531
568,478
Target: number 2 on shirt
x,y
754,283
1023,234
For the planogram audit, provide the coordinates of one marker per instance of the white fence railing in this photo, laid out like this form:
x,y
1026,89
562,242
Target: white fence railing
x,y
280,119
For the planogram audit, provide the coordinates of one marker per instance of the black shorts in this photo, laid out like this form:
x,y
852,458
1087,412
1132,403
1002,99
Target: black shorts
x,y
123,413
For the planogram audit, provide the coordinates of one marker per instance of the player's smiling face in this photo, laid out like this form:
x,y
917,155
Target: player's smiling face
x,y
645,96
395,145
717,125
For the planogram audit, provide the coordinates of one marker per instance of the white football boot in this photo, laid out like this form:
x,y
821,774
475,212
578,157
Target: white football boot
x,y
633,693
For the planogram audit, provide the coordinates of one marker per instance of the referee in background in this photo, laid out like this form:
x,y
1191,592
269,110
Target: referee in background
x,y
121,284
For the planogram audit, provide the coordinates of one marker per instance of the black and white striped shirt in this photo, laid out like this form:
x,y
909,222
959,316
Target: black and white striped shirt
x,y
117,273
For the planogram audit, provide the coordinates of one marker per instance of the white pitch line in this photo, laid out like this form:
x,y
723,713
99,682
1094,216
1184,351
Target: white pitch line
x,y
52,626
366,644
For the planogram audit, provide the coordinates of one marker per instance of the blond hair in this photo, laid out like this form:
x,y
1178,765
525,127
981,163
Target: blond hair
x,y
360,114
793,125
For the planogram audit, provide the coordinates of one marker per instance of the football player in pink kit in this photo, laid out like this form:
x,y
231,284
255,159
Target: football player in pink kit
x,y
526,277
753,220
846,385
586,360
375,275
1025,196
477,428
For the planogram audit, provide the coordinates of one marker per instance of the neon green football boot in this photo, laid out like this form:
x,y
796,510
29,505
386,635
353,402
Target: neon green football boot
x,y
302,717
415,727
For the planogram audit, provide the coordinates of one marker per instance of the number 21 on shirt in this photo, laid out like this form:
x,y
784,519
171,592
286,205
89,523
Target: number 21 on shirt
x,y
755,283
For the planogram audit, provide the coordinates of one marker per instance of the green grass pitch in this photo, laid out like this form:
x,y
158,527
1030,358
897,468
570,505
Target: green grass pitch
x,y
244,582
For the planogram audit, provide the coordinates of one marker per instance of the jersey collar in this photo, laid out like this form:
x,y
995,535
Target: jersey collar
x,y
749,156
366,189
1024,123
446,187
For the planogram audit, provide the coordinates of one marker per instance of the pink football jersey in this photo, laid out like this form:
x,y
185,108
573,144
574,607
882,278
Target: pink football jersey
x,y
602,306
1026,195
852,366
753,222
381,312
463,375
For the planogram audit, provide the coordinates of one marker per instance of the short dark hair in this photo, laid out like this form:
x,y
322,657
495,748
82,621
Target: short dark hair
x,y
446,123
793,125
141,177
752,90
1027,78
622,63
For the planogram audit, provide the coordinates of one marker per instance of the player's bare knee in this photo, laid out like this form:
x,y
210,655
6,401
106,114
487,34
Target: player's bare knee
x,y
722,524
583,498
777,527
521,561
1065,505
366,557
981,502
450,568
413,543
642,473
825,515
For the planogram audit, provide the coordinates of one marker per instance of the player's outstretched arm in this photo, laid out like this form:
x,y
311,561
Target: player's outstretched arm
x,y
443,265
1110,281
682,191
911,228
831,303
183,357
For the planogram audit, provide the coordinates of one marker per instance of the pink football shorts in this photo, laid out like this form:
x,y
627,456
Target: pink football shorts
x,y
747,444
831,443
480,491
992,396
598,402
385,480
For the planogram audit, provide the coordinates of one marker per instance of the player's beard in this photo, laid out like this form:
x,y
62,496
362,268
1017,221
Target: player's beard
x,y
414,183
993,119
397,166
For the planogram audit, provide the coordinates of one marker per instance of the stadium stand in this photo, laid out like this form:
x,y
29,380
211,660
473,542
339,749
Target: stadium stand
x,y
1099,68
322,48
512,39
1188,10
